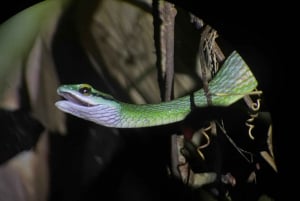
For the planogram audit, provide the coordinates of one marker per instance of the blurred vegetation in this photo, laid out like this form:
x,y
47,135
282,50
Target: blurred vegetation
x,y
111,44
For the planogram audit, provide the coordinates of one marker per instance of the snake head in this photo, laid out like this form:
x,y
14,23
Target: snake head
x,y
85,102
83,94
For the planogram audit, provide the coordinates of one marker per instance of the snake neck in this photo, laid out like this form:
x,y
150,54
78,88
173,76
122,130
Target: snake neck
x,y
233,81
148,115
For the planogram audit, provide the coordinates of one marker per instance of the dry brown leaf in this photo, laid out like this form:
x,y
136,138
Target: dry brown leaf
x,y
25,177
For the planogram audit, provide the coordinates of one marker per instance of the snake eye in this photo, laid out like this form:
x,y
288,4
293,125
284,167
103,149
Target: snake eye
x,y
85,90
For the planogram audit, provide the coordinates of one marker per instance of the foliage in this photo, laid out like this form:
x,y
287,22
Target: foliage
x,y
115,46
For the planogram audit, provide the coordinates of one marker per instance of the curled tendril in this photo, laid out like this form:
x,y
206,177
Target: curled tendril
x,y
200,153
204,130
207,139
254,106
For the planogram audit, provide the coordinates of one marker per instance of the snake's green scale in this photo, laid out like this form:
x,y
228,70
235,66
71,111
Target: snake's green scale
x,y
233,81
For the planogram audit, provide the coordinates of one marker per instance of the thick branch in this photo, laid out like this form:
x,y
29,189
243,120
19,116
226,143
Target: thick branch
x,y
164,20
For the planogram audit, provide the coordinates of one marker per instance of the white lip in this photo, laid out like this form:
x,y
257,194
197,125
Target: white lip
x,y
68,106
77,100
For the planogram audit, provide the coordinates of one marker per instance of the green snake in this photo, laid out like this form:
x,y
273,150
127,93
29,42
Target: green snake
x,y
233,81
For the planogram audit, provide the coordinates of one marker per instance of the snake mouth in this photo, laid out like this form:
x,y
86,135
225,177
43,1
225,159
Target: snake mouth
x,y
74,99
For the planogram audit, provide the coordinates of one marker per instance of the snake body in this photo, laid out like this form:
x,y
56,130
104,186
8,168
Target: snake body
x,y
233,81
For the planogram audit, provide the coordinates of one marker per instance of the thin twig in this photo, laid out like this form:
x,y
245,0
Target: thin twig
x,y
203,64
240,150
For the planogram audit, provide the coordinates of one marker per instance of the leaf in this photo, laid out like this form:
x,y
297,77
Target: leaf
x,y
25,176
25,56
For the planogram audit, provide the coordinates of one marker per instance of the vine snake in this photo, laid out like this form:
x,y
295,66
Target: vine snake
x,y
233,81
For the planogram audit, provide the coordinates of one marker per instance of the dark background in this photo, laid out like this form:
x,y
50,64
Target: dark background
x,y
264,36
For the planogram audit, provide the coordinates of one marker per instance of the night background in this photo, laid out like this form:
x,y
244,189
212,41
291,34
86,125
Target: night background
x,y
260,33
